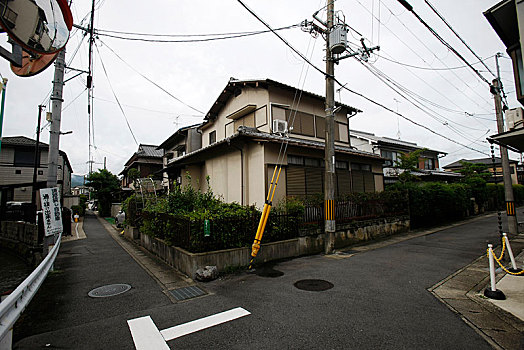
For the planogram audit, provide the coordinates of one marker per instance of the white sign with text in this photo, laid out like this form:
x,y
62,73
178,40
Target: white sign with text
x,y
51,210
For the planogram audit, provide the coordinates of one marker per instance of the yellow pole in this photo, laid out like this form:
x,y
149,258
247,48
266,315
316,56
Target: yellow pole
x,y
265,215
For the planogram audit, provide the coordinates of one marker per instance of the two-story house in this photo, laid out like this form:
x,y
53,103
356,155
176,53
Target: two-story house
x,y
185,140
254,125
392,149
147,160
17,165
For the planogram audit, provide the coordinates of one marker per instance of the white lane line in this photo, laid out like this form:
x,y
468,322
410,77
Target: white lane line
x,y
203,323
146,335
76,229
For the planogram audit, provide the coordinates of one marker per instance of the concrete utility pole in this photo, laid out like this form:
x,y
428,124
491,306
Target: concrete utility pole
x,y
329,157
506,172
56,110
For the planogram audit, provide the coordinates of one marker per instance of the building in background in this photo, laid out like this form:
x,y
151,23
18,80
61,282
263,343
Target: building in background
x,y
392,149
17,164
147,160
488,162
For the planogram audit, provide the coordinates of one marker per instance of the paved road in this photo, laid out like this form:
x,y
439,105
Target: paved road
x,y
379,299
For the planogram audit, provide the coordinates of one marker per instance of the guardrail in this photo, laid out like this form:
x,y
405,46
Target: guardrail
x,y
12,307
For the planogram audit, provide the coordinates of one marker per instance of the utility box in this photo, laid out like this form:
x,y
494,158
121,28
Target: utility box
x,y
338,39
514,118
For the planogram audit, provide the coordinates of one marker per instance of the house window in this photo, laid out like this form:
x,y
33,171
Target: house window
x,y
295,160
363,179
212,137
341,165
25,157
429,164
391,158
313,162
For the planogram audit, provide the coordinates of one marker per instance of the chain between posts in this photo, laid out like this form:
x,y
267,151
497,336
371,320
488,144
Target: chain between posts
x,y
500,258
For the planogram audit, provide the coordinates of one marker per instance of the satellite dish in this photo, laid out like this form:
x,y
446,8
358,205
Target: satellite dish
x,y
32,64
39,26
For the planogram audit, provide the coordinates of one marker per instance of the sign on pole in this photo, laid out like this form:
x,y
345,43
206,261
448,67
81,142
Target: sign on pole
x,y
51,210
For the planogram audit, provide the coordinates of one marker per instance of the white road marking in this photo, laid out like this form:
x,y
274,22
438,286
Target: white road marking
x,y
76,229
147,336
203,323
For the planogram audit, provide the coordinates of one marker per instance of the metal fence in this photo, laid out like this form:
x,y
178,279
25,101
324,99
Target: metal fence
x,y
200,235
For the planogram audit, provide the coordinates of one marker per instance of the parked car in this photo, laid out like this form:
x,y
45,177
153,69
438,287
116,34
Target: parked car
x,y
120,218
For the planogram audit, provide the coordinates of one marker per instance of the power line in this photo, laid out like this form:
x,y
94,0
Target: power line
x,y
216,36
444,42
343,86
151,81
458,36
114,94
430,68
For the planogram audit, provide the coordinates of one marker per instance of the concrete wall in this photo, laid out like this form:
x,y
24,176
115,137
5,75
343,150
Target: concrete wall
x,y
349,234
22,239
69,201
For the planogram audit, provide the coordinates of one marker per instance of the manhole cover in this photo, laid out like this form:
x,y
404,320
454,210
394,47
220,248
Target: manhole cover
x,y
313,285
109,290
187,293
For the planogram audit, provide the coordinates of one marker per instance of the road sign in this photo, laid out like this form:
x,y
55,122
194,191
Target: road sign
x,y
52,211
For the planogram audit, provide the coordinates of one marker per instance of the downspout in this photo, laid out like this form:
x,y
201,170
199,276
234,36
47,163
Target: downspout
x,y
241,171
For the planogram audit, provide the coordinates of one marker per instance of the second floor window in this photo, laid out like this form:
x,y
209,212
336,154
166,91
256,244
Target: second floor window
x,y
212,137
429,164
391,158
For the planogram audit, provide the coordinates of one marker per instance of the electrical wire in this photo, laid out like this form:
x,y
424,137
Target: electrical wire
x,y
459,37
151,81
343,86
430,68
218,36
444,42
114,94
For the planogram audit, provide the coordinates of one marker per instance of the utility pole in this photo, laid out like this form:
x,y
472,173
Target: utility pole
x,y
4,86
54,132
36,163
506,172
90,81
329,156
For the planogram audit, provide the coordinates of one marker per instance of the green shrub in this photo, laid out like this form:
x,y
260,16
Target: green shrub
x,y
77,209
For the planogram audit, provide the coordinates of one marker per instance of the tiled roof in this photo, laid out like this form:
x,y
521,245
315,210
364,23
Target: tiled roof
x,y
20,141
387,140
149,151
485,161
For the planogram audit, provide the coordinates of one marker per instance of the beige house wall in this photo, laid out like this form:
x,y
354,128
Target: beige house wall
x,y
254,175
249,95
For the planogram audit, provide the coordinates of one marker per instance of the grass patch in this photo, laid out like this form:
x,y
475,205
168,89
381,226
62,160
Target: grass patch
x,y
110,220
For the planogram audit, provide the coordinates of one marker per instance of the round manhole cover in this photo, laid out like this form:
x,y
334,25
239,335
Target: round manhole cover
x,y
313,285
109,290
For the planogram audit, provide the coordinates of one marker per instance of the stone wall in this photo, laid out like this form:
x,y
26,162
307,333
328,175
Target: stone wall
x,y
22,239
347,234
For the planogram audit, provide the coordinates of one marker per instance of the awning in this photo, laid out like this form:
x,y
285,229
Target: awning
x,y
512,140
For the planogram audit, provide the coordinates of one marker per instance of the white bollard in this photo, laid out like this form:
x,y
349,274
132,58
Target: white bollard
x,y
493,292
510,252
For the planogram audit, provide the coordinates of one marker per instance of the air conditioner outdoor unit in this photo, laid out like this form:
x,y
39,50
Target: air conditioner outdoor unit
x,y
279,126
514,118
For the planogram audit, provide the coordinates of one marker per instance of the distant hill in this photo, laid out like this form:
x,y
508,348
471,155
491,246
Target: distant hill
x,y
77,180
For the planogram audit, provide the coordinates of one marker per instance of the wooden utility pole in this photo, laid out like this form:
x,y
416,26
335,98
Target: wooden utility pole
x,y
329,183
36,157
506,172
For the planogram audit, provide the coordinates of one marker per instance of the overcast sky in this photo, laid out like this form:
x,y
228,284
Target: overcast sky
x,y
460,104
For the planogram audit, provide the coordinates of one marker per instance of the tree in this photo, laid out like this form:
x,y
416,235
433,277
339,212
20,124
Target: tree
x,y
476,177
104,184
408,162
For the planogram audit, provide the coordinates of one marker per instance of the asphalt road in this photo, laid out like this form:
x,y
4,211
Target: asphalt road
x,y
379,299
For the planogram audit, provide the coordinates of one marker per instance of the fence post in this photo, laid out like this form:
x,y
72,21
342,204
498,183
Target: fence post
x,y
492,292
514,267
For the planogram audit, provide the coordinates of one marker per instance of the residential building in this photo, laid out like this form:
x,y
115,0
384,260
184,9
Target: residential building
x,y
17,164
391,149
488,162
184,140
256,124
147,160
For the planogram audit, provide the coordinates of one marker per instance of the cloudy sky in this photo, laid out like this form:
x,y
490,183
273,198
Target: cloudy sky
x,y
453,101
